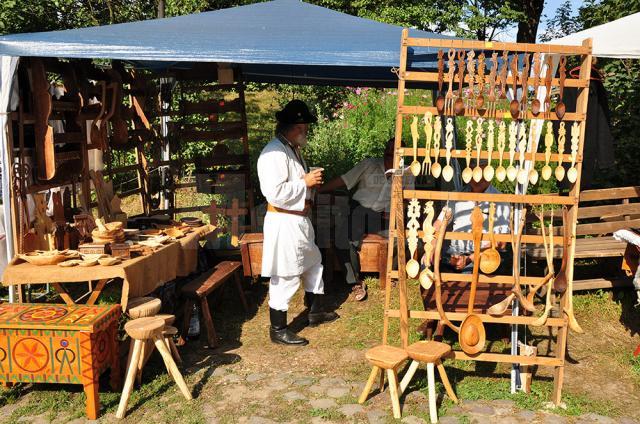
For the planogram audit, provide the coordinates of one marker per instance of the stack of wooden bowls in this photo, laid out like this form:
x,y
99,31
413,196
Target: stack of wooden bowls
x,y
111,232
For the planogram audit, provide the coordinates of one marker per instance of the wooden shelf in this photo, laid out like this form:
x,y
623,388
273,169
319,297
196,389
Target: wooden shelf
x,y
433,77
537,199
460,316
500,114
496,45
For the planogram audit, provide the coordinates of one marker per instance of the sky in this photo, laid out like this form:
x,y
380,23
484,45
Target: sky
x,y
550,7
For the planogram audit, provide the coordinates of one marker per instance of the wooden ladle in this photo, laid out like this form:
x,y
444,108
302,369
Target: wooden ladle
x,y
477,171
413,267
501,172
436,269
572,173
560,283
467,173
447,171
436,168
472,334
428,133
490,258
426,276
512,172
440,98
458,106
488,171
548,250
415,167
560,106
562,132
548,143
514,106
516,239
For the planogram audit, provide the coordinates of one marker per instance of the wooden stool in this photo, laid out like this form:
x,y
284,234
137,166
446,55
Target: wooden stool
x,y
141,330
198,290
431,353
140,307
389,358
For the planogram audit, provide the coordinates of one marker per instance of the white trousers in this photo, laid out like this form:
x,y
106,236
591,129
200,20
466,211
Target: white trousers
x,y
282,289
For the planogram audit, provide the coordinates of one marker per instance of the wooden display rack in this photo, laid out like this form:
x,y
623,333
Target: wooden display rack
x,y
396,235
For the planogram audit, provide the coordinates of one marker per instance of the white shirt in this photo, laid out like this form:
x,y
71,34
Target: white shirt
x,y
462,221
288,248
373,188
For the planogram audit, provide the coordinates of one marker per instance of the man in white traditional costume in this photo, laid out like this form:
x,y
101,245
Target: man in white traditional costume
x,y
289,254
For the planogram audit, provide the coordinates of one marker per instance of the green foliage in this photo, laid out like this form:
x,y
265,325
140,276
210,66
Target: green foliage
x,y
358,129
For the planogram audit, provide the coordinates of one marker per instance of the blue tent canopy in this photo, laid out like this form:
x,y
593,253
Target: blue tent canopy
x,y
277,41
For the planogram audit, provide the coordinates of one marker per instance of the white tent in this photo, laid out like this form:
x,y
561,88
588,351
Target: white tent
x,y
618,39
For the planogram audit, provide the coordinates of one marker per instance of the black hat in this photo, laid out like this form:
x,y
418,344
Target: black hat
x,y
296,112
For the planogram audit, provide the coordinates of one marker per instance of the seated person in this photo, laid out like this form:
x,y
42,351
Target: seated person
x,y
369,210
459,253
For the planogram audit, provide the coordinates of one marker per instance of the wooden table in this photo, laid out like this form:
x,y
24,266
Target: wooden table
x,y
140,276
45,343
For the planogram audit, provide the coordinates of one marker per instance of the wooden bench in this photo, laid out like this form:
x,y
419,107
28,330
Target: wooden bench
x,y
201,287
600,213
373,255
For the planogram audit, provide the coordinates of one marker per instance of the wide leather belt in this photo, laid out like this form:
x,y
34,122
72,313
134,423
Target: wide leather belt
x,y
305,212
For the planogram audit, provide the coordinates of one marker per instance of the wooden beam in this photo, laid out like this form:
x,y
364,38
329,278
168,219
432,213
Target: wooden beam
x,y
495,45
489,319
610,193
489,197
421,110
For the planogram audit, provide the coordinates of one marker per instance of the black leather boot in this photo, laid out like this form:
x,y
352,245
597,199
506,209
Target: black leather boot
x,y
317,315
279,332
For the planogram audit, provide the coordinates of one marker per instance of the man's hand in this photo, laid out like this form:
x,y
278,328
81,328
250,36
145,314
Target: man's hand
x,y
313,178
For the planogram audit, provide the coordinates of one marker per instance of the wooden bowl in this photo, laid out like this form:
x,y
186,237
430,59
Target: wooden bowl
x,y
53,257
144,328
472,335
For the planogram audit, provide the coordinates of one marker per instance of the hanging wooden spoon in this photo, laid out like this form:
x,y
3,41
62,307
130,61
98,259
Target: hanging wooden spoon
x,y
493,76
537,69
560,283
503,75
516,239
467,173
488,170
449,98
548,250
522,146
490,258
428,133
472,335
413,267
560,106
458,106
562,132
471,69
514,106
415,166
524,79
477,171
480,99
572,173
447,172
547,83
440,99
426,276
512,172
533,140
548,143
437,134
501,173
436,269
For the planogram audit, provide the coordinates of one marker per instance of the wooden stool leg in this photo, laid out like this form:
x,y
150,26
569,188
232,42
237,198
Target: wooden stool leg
x,y
186,319
145,354
212,338
381,384
132,344
433,413
238,279
174,350
367,387
393,391
445,382
408,376
172,367
128,383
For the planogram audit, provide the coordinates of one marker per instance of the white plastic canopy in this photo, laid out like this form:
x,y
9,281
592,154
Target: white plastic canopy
x,y
619,39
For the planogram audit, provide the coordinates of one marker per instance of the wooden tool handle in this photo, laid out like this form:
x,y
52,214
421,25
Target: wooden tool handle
x,y
440,70
436,270
563,74
460,71
477,219
514,74
481,66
